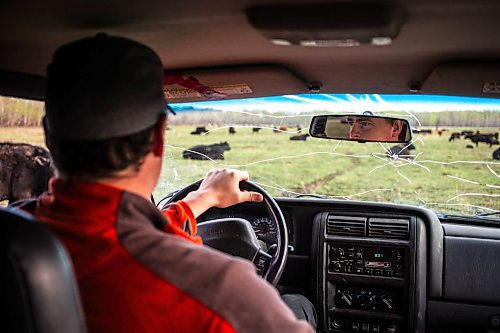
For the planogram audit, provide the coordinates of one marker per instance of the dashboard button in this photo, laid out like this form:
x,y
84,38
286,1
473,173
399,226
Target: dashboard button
x,y
377,272
368,271
338,323
336,266
365,327
375,328
355,326
388,272
358,270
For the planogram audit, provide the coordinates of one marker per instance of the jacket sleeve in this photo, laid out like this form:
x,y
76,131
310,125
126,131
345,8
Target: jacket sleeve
x,y
179,215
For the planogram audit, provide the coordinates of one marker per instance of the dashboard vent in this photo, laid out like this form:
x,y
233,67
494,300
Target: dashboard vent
x,y
345,225
388,228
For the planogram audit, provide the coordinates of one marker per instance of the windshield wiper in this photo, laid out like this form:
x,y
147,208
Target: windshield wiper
x,y
488,214
311,196
470,218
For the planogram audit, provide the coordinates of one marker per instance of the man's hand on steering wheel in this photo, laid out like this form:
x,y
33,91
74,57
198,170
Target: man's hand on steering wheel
x,y
235,236
220,188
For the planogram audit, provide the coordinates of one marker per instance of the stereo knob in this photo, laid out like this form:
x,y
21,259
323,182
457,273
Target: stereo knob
x,y
338,253
387,303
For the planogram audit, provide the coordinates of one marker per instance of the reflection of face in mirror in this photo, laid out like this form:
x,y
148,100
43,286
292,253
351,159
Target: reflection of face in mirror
x,y
375,129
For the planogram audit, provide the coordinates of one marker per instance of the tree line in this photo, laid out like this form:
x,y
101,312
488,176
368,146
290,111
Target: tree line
x,y
20,112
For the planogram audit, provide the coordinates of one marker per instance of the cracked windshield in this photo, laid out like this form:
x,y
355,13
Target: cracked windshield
x,y
451,165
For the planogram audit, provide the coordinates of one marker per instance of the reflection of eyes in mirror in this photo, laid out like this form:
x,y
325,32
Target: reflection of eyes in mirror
x,y
362,128
374,129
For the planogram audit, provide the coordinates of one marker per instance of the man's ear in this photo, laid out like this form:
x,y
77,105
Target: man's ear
x,y
159,134
397,127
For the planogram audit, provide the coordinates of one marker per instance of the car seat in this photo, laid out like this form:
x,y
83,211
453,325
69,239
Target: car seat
x,y
38,288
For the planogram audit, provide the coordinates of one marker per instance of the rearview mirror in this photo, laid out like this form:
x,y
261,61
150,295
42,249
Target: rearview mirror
x,y
361,128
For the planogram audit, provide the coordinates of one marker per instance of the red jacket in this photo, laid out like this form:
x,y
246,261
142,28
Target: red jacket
x,y
137,270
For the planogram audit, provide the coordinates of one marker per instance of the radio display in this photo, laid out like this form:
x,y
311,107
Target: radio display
x,y
378,258
378,255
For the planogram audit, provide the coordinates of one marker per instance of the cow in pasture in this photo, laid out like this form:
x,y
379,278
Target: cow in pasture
x,y
256,129
469,147
496,154
200,130
283,128
302,137
402,150
454,135
441,131
467,132
488,138
25,171
207,152
232,130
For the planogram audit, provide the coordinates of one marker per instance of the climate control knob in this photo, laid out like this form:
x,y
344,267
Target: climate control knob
x,y
366,300
346,298
387,303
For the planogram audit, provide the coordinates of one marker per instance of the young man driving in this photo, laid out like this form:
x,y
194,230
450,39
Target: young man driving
x,y
137,270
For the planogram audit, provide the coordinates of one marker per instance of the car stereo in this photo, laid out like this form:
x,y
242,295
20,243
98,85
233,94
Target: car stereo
x,y
366,260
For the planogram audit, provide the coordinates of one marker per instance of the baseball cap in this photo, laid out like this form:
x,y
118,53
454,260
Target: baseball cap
x,y
103,87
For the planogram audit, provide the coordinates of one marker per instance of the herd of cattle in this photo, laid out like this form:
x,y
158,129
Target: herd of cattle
x,y
26,169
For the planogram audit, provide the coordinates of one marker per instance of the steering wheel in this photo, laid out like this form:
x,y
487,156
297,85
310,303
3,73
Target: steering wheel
x,y
235,236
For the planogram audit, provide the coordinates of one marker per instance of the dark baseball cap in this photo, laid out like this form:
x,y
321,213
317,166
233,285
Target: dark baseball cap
x,y
103,87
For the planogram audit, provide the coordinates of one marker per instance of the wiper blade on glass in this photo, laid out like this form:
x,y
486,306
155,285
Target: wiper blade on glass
x,y
470,218
490,213
311,196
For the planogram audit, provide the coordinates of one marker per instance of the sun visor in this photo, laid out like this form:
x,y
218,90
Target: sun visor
x,y
233,83
464,79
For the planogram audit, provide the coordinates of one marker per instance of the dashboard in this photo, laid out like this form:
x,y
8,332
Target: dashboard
x,y
372,267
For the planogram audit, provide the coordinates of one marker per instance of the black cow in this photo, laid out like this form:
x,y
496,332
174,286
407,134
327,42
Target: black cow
x,y
256,129
232,130
199,130
469,147
402,150
488,138
302,137
467,132
496,154
25,171
454,135
207,152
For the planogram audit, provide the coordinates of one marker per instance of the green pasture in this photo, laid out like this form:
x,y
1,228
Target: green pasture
x,y
344,170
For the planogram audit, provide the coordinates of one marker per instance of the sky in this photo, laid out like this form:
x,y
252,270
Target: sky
x,y
349,103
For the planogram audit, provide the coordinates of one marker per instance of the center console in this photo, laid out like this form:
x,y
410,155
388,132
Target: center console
x,y
365,269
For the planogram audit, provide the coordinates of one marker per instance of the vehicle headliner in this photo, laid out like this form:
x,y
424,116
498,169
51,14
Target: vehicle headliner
x,y
194,34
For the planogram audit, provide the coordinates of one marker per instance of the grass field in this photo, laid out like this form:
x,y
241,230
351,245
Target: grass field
x,y
446,176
